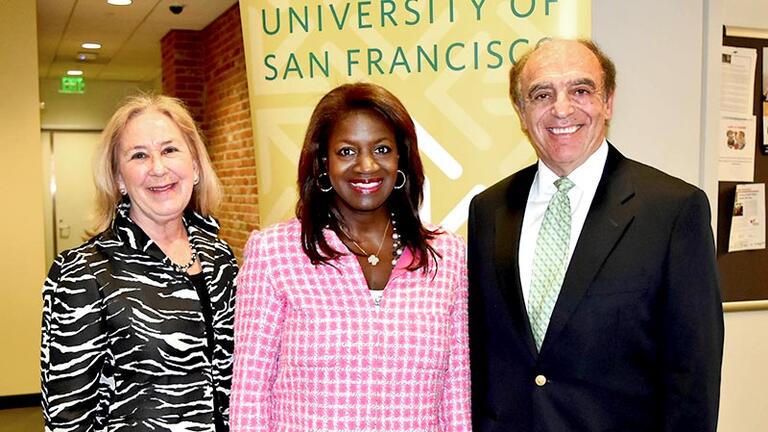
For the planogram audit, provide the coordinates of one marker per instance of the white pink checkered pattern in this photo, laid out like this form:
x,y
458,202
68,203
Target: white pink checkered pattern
x,y
313,353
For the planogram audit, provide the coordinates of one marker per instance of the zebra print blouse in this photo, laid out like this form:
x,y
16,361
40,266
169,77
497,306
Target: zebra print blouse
x,y
124,343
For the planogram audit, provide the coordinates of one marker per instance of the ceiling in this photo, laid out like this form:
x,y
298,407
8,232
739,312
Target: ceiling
x,y
129,35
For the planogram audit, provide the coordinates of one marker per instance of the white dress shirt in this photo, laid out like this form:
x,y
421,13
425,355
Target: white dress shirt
x,y
586,178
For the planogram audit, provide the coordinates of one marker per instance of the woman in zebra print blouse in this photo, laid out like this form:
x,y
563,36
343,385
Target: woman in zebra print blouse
x,y
137,322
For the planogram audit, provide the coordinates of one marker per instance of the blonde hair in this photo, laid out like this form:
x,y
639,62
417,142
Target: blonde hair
x,y
206,195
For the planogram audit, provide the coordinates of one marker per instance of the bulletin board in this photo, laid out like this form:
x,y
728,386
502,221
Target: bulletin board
x,y
744,274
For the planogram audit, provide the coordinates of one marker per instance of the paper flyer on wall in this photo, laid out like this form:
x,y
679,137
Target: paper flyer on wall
x,y
765,129
738,74
736,148
748,219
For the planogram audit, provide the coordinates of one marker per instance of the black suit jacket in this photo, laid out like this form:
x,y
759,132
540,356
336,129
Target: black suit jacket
x,y
635,340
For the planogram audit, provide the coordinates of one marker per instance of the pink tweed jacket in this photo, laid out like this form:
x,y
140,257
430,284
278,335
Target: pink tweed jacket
x,y
313,352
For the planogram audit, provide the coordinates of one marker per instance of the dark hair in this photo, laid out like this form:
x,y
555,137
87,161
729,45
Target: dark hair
x,y
316,209
609,70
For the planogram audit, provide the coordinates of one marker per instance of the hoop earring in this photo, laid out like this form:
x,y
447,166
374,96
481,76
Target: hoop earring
x,y
405,180
318,181
196,181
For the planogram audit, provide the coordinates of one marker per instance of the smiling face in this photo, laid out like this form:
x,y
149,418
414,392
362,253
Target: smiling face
x,y
156,168
362,162
565,112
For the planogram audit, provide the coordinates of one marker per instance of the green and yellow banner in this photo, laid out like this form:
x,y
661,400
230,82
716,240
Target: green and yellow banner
x,y
447,60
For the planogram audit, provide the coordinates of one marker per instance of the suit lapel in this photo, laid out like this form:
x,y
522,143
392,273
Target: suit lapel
x,y
509,222
611,212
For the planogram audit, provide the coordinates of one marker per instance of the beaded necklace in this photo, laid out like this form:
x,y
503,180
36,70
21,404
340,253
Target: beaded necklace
x,y
183,268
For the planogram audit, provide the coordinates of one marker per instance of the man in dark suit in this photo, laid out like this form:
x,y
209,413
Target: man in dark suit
x,y
594,296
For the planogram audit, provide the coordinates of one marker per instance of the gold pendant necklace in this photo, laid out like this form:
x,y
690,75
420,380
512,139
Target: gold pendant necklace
x,y
373,259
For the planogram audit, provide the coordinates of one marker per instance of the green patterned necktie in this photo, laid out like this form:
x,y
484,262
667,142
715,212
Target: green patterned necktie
x,y
549,260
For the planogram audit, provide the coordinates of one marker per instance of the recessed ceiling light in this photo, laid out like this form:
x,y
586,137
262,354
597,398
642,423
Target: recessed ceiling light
x,y
91,45
87,56
74,72
120,2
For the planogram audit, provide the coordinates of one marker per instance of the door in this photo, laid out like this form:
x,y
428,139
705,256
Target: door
x,y
74,194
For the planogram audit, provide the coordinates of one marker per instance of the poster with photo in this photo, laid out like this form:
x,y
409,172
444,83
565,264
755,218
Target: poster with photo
x,y
748,218
736,149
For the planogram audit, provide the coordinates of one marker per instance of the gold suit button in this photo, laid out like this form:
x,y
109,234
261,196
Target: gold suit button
x,y
540,380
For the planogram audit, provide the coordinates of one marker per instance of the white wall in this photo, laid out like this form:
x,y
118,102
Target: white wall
x,y
746,13
658,99
744,401
666,115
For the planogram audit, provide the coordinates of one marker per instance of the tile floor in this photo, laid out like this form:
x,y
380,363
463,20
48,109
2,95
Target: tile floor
x,y
21,420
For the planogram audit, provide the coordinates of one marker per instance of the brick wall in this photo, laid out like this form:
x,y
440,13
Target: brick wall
x,y
206,69
183,69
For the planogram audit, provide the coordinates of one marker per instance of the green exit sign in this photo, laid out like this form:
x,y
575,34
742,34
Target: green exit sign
x,y
72,84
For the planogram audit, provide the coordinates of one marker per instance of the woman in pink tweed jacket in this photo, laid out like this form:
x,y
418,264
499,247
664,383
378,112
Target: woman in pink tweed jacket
x,y
353,316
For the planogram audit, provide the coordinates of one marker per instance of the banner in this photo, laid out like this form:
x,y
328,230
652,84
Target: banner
x,y
447,60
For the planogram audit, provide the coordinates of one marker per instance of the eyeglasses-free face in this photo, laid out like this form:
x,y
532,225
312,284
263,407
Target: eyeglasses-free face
x,y
566,111
362,161
156,168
